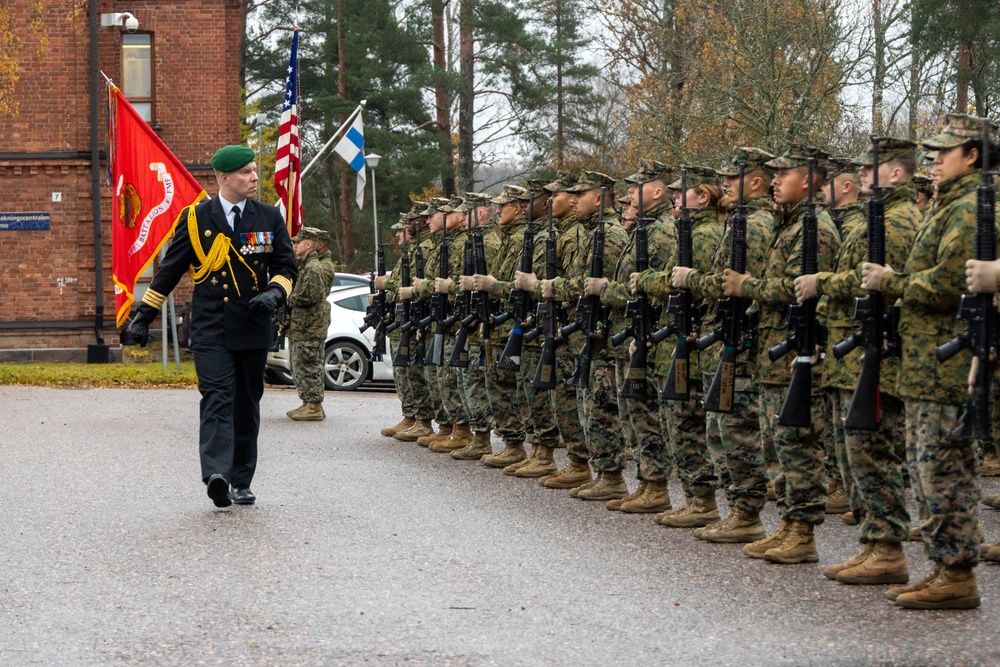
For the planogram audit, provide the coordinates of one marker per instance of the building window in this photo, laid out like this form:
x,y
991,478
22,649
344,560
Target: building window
x,y
137,73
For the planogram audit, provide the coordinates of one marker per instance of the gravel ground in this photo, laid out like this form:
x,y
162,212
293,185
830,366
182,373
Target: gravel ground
x,y
365,551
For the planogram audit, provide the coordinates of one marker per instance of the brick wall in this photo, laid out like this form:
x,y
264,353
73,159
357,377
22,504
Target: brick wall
x,y
49,276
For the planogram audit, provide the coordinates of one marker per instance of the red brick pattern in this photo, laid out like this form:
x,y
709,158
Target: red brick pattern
x,y
49,275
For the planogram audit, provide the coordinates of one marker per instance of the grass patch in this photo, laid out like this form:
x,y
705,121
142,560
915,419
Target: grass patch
x,y
124,375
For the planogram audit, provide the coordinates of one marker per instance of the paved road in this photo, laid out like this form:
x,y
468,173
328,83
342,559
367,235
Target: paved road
x,y
366,551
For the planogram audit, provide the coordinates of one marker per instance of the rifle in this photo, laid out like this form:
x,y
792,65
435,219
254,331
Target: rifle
x,y
980,313
520,303
547,317
734,324
440,308
591,316
641,314
377,311
865,410
419,305
681,305
401,359
801,322
463,314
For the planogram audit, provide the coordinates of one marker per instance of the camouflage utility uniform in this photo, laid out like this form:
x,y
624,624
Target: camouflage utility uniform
x,y
310,320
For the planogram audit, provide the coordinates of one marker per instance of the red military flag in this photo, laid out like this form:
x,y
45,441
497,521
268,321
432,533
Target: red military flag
x,y
288,157
150,188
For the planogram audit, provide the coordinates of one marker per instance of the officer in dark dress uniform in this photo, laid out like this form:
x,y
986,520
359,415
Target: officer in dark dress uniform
x,y
240,258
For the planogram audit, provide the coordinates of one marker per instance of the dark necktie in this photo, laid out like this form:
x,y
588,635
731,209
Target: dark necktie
x,y
236,218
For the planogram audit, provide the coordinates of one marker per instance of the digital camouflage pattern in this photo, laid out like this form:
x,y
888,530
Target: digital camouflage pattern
x,y
685,423
310,320
852,216
644,430
308,369
734,447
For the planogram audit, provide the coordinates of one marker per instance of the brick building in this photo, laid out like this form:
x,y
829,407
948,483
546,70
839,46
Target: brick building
x,y
180,69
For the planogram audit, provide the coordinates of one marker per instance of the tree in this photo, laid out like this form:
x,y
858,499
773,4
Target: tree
x,y
29,20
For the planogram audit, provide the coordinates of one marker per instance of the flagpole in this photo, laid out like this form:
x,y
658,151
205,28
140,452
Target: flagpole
x,y
340,130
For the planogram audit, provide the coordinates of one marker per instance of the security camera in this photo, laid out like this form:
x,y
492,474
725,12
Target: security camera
x,y
131,22
117,19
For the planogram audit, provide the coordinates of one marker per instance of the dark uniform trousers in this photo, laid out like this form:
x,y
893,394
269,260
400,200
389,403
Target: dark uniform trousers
x,y
228,342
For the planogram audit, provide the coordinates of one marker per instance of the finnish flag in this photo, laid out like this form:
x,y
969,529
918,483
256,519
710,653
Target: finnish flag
x,y
351,147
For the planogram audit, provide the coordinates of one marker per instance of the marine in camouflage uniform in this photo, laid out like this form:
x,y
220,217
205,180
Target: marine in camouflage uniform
x,y
928,288
733,438
448,382
310,319
870,461
685,420
596,403
640,417
473,378
794,457
562,399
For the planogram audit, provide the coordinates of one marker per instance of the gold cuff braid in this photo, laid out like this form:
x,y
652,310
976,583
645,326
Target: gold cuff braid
x,y
284,283
154,299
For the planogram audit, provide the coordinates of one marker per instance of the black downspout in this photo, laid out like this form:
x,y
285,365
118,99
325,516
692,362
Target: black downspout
x,y
96,353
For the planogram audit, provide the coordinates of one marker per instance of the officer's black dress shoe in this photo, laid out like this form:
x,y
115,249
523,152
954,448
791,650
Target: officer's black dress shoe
x,y
244,496
218,490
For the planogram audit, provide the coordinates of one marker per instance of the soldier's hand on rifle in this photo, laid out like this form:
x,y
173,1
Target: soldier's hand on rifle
x,y
482,283
525,281
381,282
681,275
466,283
593,286
443,285
981,277
633,283
805,287
872,276
418,283
547,288
732,282
973,372
405,293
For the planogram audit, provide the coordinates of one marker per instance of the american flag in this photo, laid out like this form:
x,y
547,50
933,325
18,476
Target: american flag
x,y
288,159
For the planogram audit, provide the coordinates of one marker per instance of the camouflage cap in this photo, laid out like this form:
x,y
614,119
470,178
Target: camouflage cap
x,y
753,158
592,180
564,181
418,210
510,194
923,181
312,234
402,224
478,199
453,205
650,170
798,155
435,205
624,200
889,148
930,156
958,129
696,175
843,165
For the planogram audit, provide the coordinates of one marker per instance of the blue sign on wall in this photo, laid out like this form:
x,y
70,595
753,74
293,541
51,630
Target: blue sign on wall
x,y
11,222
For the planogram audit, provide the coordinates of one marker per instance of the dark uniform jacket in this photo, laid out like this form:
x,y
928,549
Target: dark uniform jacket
x,y
228,268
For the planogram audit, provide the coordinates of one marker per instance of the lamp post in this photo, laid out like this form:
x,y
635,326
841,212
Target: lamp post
x,y
372,160
258,119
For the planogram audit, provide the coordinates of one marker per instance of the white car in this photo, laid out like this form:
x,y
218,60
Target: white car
x,y
348,351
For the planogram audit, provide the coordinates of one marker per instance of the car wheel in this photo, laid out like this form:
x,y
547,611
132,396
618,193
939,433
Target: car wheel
x,y
346,366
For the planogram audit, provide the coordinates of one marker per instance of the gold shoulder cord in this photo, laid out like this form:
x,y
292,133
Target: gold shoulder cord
x,y
217,255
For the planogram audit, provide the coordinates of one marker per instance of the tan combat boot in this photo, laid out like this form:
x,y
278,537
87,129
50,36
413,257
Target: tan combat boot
x,y
799,546
837,502
954,588
992,552
616,504
420,428
991,464
609,485
661,518
570,476
992,501
699,511
443,433
896,591
401,426
741,526
886,565
477,449
770,495
512,453
514,467
541,465
653,498
760,547
586,485
461,436
832,571
849,519
309,412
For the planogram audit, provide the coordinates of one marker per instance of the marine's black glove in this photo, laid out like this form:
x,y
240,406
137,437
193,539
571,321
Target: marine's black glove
x,y
137,332
265,303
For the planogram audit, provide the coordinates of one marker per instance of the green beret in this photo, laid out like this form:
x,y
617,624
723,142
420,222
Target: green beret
x,y
231,158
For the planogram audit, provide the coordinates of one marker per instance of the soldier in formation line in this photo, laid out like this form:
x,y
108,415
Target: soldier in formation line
x,y
801,203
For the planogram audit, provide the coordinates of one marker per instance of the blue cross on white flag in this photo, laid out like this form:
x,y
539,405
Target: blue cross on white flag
x,y
351,147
